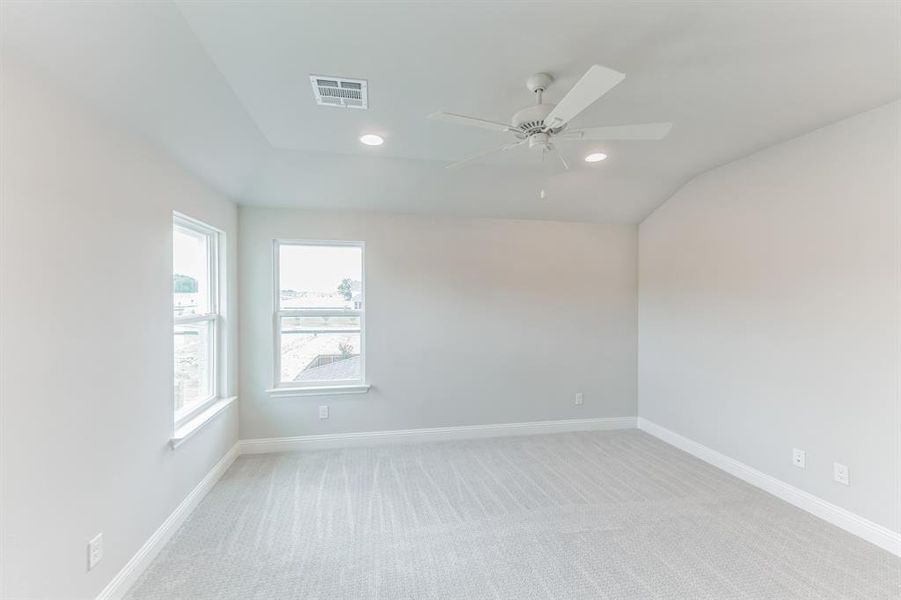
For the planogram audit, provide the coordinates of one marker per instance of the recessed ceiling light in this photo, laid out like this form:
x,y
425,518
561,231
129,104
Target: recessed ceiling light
x,y
595,157
370,139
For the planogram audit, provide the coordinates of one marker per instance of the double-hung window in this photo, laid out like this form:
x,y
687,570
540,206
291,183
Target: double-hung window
x,y
319,315
196,316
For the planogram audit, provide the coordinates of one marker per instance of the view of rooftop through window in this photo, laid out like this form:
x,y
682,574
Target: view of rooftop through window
x,y
320,312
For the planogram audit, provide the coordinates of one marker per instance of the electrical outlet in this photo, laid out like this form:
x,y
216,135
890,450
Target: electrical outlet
x,y
580,398
323,412
799,458
840,473
95,551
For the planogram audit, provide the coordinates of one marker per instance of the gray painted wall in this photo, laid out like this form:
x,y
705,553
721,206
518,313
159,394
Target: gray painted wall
x,y
86,345
769,312
469,321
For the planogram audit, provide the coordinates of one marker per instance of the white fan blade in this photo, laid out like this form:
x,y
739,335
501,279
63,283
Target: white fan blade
x,y
560,156
645,131
471,121
596,82
459,163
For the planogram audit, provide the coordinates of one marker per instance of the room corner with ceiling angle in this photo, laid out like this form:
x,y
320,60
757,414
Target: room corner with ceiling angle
x,y
391,300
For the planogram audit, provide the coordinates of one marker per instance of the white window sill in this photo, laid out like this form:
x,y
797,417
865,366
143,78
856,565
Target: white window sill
x,y
189,428
321,390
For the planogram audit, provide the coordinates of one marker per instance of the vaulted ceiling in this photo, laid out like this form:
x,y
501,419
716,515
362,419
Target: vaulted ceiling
x,y
223,87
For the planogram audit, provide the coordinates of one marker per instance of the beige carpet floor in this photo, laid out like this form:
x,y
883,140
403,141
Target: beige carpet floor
x,y
617,515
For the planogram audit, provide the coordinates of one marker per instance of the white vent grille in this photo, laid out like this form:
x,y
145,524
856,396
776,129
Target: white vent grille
x,y
341,92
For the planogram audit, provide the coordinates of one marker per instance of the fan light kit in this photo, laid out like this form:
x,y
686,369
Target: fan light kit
x,y
541,126
595,157
370,139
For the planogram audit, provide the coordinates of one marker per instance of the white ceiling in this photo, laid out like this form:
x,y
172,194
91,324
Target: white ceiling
x,y
224,88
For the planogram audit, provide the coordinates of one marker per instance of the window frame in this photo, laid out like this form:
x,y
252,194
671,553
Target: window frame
x,y
278,314
214,319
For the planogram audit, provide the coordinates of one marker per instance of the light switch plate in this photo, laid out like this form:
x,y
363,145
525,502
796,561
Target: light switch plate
x,y
799,458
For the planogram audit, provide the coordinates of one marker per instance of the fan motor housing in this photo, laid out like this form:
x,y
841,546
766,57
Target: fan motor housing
x,y
530,120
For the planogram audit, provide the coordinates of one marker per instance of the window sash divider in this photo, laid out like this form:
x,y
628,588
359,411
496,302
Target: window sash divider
x,y
320,312
183,320
317,331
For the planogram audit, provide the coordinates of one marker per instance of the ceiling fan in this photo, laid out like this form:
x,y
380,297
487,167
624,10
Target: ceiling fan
x,y
542,125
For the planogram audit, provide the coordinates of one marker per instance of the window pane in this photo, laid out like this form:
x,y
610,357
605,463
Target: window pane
x,y
191,276
193,377
320,276
319,356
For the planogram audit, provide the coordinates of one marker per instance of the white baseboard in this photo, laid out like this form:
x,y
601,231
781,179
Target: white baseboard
x,y
139,562
872,532
431,434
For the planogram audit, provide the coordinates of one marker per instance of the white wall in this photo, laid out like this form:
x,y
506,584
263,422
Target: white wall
x,y
86,345
469,321
769,312
769,319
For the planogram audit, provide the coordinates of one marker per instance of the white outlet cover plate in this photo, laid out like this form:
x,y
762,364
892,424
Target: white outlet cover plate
x,y
580,398
95,551
840,473
323,412
799,458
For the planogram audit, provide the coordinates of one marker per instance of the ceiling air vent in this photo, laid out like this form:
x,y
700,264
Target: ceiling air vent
x,y
337,91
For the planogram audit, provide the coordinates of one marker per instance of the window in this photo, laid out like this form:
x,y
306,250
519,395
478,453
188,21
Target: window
x,y
319,314
195,305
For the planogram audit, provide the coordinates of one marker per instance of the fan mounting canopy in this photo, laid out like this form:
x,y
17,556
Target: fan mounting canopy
x,y
539,82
